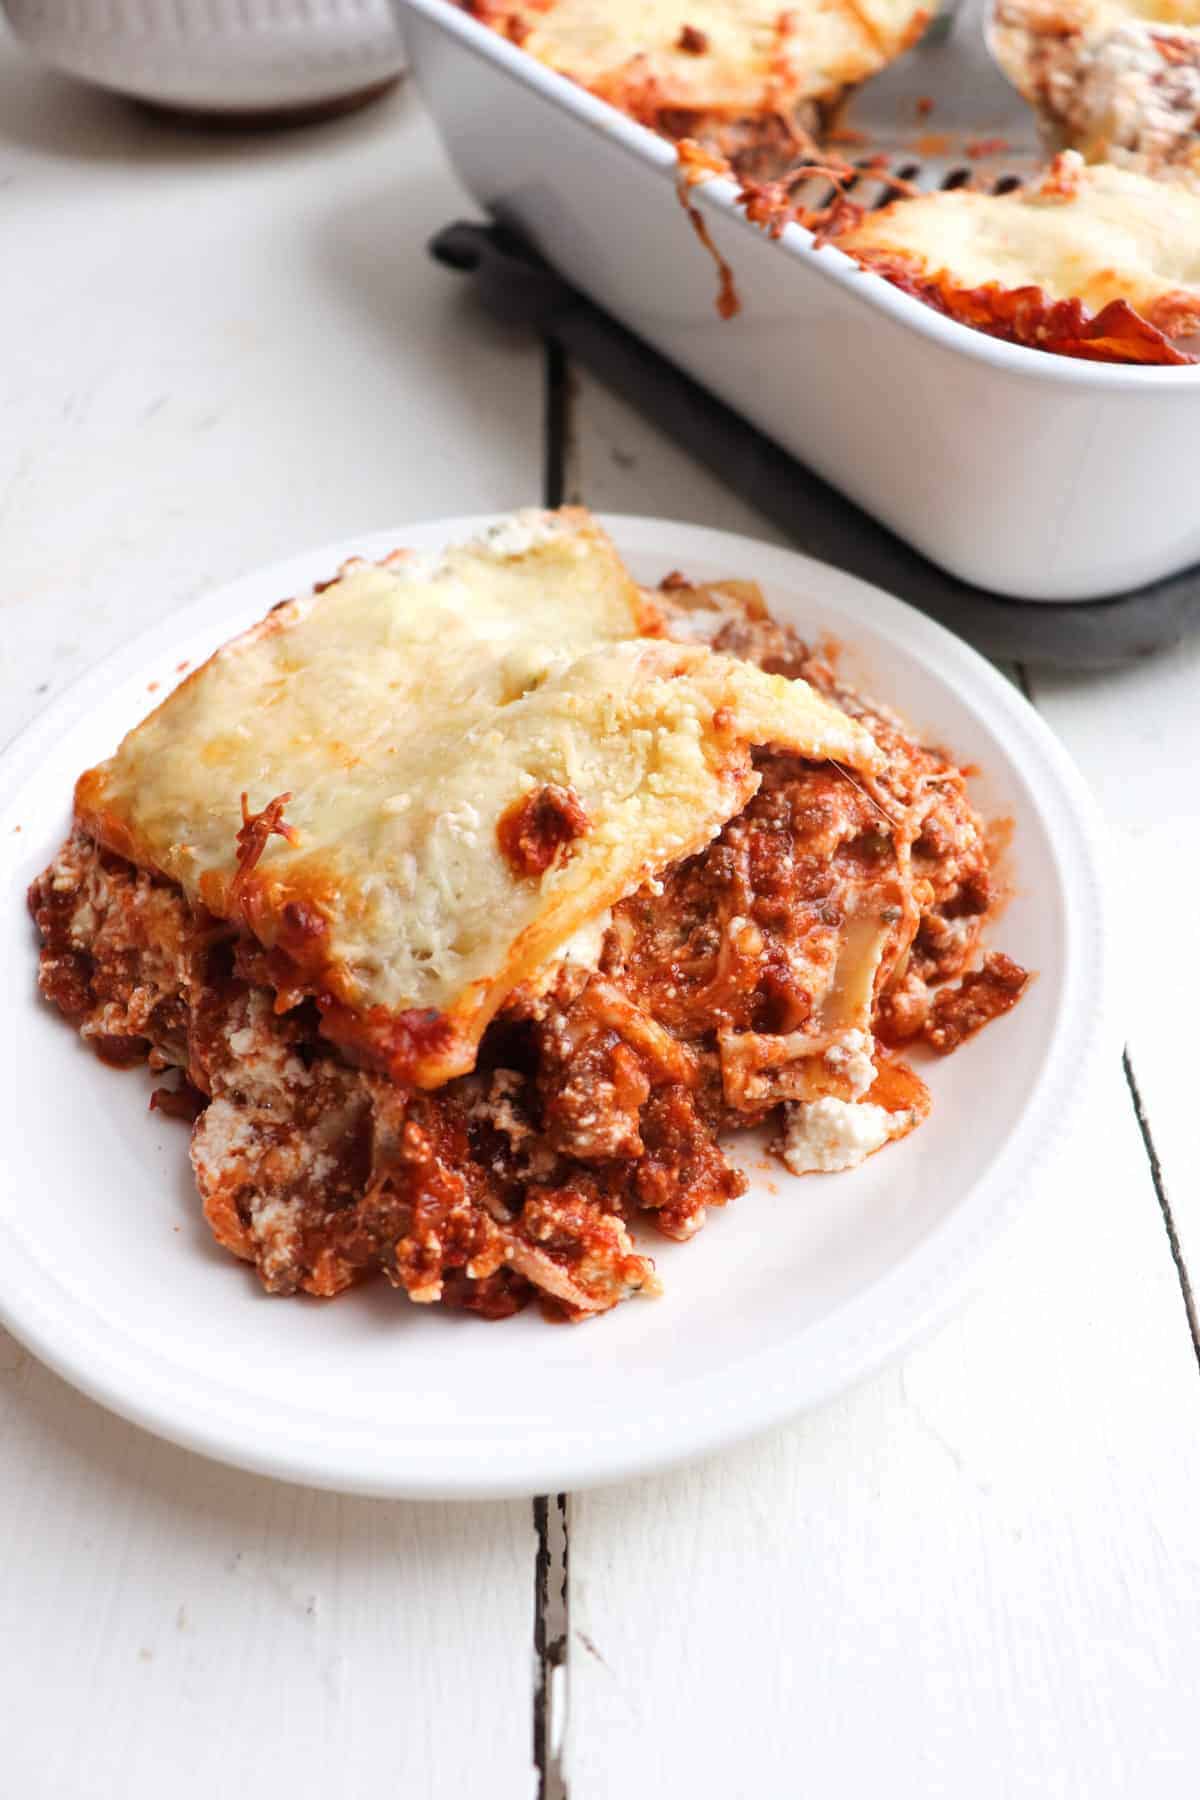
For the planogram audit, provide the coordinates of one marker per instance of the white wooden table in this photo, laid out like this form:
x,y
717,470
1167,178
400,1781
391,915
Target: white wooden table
x,y
978,1575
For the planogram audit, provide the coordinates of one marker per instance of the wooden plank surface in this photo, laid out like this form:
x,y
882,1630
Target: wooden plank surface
x,y
220,350
172,1627
1136,736
976,1574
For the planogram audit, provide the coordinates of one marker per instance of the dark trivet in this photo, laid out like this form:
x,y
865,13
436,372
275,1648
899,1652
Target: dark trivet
x,y
517,286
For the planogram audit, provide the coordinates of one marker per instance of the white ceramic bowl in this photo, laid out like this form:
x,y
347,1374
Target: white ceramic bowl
x,y
217,56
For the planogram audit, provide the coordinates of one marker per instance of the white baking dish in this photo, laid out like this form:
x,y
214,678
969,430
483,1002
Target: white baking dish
x,y
1031,475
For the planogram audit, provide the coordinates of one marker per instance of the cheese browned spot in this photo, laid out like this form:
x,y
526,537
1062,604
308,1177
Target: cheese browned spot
x,y
535,829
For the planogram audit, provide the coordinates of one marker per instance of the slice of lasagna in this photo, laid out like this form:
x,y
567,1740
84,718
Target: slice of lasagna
x,y
739,74
472,897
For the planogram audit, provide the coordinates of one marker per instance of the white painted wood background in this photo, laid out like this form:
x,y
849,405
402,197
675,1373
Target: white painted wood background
x,y
978,1575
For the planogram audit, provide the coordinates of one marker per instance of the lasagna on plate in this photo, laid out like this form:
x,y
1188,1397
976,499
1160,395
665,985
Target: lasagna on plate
x,y
469,902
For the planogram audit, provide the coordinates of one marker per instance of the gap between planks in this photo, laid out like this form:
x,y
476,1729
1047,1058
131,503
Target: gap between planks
x,y
551,1636
1160,1188
551,1629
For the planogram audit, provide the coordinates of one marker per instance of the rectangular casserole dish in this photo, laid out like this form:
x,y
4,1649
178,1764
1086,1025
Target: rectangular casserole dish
x,y
1027,474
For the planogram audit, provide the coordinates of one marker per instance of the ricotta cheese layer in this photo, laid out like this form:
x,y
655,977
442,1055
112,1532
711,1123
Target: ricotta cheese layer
x,y
826,1135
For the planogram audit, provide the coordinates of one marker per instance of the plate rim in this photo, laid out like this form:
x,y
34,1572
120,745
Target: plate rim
x,y
901,1307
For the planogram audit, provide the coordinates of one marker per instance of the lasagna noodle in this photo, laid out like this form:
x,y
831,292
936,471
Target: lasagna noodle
x,y
408,713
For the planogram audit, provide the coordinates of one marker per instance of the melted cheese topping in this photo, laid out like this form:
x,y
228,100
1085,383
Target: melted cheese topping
x,y
405,709
749,56
1092,234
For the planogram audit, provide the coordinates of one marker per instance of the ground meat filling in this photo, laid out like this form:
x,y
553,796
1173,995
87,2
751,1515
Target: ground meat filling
x,y
829,920
121,954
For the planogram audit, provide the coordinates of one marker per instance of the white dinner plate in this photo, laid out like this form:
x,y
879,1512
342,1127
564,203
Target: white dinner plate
x,y
108,1272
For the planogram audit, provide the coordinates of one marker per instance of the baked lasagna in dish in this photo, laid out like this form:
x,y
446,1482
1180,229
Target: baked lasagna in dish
x,y
1088,261
1101,263
746,77
468,902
